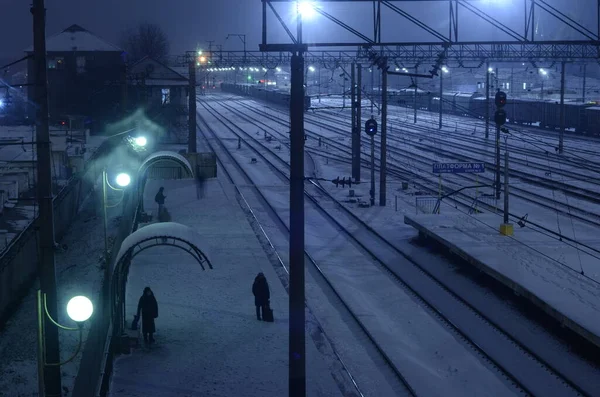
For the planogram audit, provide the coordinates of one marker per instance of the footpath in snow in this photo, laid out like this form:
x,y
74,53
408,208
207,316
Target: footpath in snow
x,y
208,340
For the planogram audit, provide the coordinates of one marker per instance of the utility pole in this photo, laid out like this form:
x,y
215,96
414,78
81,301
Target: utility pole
x,y
383,141
297,368
441,94
487,100
46,269
415,98
124,92
372,88
297,331
561,136
498,186
192,108
358,115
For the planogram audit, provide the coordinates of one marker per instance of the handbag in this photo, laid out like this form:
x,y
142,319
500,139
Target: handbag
x,y
268,314
135,322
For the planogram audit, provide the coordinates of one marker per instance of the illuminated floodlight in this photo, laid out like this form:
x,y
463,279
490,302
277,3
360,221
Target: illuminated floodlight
x,y
249,77
543,72
199,52
490,70
264,69
306,10
1,103
141,141
123,179
444,69
405,70
80,309
311,68
278,69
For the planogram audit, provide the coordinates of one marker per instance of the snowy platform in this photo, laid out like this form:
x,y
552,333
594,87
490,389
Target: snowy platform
x,y
208,340
562,292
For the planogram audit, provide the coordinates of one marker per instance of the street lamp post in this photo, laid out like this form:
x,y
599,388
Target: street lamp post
x,y
123,180
79,309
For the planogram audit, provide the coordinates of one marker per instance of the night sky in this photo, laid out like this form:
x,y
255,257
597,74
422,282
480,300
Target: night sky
x,y
189,23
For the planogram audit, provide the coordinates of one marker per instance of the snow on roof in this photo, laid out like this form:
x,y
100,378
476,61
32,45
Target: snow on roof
x,y
163,229
166,82
166,155
76,38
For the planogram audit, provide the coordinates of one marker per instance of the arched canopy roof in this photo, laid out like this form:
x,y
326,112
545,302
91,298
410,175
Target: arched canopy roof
x,y
169,156
164,233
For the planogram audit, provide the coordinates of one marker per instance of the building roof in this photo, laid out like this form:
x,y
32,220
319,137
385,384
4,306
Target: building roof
x,y
76,38
156,73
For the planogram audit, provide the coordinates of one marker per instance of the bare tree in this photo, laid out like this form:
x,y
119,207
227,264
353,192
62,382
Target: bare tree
x,y
147,39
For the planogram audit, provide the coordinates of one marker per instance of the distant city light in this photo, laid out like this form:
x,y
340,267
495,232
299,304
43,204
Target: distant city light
x,y
490,70
311,68
278,69
249,77
444,69
543,72
306,10
264,69
1,103
397,69
404,70
202,59
199,52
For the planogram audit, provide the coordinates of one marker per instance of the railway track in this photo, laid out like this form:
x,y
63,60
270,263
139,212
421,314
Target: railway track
x,y
419,174
471,325
426,185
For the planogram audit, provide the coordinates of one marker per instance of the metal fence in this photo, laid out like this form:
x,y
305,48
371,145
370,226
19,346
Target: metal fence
x,y
19,260
484,201
426,204
155,172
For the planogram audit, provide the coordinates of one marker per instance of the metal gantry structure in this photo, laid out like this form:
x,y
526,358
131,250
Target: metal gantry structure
x,y
521,47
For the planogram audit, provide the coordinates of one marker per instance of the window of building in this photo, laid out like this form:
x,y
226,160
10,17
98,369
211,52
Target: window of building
x,y
56,63
524,86
80,64
166,96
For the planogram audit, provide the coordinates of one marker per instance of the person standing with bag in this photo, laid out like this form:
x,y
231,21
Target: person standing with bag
x,y
260,290
148,307
160,200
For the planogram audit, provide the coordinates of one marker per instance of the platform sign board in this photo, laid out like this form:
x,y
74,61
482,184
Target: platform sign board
x,y
458,168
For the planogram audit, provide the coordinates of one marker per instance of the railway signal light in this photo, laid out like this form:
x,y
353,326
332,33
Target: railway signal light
x,y
500,99
371,127
500,117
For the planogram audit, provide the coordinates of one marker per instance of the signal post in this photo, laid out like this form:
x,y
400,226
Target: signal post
x,y
506,228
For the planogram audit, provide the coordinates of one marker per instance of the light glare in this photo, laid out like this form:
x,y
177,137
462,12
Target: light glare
x,y
141,141
306,10
80,309
123,179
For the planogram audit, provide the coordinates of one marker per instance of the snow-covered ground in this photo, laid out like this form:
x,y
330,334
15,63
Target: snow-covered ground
x,y
568,253
209,342
78,271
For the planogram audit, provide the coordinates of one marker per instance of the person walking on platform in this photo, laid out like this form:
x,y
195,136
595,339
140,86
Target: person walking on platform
x,y
260,290
148,307
160,200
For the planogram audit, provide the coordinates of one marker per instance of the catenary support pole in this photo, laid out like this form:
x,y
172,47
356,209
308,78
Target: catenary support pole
x,y
297,366
354,128
506,177
372,88
561,135
415,97
358,115
383,139
441,93
192,108
584,80
105,225
46,267
487,100
498,184
372,191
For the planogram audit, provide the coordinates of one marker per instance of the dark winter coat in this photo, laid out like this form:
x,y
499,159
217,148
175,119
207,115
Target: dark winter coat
x,y
149,310
160,198
261,292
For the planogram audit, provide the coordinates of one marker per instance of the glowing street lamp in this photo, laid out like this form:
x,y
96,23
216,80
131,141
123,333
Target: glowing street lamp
x,y
141,141
80,309
123,179
311,68
306,10
444,69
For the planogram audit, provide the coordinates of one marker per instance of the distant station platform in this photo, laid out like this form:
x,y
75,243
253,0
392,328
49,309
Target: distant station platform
x,y
209,342
562,292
